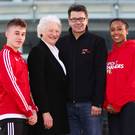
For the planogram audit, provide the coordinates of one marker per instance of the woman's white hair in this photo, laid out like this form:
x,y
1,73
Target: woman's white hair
x,y
44,21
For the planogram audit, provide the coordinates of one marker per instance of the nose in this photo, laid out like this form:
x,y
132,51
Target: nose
x,y
20,36
55,33
115,32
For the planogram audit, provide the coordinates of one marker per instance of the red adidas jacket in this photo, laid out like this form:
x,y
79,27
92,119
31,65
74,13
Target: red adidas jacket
x,y
15,101
120,87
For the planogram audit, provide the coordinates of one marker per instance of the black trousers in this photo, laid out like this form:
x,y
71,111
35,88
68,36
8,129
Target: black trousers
x,y
123,123
13,127
34,131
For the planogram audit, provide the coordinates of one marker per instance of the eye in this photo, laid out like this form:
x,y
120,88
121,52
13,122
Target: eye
x,y
16,33
80,19
120,29
23,34
112,30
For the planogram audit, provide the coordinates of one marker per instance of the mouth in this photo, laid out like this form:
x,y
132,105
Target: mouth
x,y
116,37
19,42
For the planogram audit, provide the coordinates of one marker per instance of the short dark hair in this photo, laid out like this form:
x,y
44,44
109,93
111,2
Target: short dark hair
x,y
77,7
16,22
121,20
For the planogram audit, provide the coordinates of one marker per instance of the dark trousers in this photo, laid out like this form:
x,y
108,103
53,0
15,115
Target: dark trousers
x,y
13,127
123,123
33,130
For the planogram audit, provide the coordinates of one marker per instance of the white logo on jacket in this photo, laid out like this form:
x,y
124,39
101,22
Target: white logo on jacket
x,y
16,59
114,65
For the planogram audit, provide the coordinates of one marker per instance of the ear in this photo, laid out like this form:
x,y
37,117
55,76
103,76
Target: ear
x,y
41,35
127,32
6,34
69,19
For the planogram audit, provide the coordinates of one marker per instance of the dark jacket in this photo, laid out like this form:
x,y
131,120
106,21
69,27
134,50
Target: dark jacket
x,y
48,85
85,60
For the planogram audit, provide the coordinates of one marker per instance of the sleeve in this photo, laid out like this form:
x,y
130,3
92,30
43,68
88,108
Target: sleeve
x,y
34,107
100,59
127,94
10,83
37,75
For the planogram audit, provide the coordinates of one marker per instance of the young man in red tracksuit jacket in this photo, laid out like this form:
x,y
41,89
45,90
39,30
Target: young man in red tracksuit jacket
x,y
16,106
120,90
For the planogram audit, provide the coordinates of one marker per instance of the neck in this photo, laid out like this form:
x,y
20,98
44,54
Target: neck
x,y
15,49
77,35
47,43
120,43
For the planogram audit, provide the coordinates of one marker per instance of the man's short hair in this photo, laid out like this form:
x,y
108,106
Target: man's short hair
x,y
16,22
77,8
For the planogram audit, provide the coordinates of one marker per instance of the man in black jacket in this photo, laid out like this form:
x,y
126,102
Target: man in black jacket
x,y
84,55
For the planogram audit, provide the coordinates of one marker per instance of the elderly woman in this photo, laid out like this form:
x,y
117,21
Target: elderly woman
x,y
48,80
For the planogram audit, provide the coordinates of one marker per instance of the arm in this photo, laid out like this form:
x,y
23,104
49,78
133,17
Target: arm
x,y
10,83
127,92
100,72
37,71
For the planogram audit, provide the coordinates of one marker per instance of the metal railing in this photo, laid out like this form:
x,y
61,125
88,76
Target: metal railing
x,y
35,9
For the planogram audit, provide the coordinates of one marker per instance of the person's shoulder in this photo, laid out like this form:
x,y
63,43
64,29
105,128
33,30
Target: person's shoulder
x,y
130,45
131,42
39,46
1,53
64,37
38,49
33,49
63,40
94,36
6,51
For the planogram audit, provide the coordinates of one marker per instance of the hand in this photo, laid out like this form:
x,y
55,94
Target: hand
x,y
48,120
95,111
32,120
